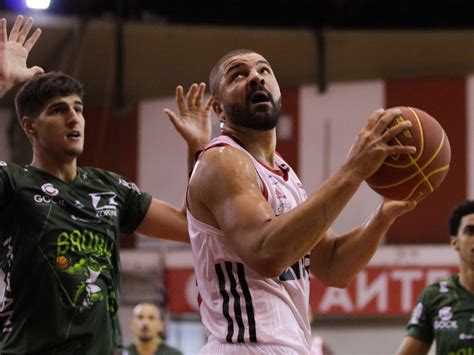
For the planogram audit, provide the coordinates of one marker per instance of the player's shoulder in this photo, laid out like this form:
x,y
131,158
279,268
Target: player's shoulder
x,y
13,166
106,178
441,288
13,169
92,173
222,162
224,157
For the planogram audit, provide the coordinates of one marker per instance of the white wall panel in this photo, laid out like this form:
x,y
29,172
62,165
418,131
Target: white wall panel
x,y
329,124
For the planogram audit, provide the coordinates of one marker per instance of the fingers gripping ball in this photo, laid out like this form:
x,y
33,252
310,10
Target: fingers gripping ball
x,y
414,176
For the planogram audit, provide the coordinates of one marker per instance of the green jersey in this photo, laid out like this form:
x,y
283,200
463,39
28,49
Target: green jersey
x,y
60,256
445,313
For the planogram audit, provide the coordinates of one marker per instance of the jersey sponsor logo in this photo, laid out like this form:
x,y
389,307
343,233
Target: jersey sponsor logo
x,y
283,204
85,242
78,204
130,185
297,271
50,190
416,315
48,200
104,204
441,324
86,271
443,287
462,351
84,220
82,257
50,196
445,313
2,163
463,336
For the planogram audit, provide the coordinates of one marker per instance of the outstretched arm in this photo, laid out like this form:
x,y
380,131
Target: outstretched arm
x,y
14,50
194,124
164,221
194,120
337,259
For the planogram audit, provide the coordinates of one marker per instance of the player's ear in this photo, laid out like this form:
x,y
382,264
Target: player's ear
x,y
29,126
218,108
454,243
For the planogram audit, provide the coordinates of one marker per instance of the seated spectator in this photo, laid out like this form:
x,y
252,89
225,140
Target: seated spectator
x,y
147,325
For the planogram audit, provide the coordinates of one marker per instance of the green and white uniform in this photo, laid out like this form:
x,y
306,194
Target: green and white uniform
x,y
445,313
60,255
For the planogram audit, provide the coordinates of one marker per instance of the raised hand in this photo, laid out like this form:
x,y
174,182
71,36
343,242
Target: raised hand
x,y
194,120
14,50
371,148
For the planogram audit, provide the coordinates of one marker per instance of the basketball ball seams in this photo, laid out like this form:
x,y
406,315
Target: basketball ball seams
x,y
419,151
414,176
420,171
427,181
422,133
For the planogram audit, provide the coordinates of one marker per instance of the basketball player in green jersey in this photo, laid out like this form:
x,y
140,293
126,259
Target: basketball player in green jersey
x,y
445,310
60,224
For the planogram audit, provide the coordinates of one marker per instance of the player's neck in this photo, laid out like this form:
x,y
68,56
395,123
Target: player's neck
x,y
261,144
63,170
148,347
466,278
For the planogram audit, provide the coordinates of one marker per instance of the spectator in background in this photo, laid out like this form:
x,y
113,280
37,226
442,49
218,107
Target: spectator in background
x,y
148,326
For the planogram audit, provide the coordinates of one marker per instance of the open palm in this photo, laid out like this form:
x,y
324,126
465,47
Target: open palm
x,y
14,50
194,120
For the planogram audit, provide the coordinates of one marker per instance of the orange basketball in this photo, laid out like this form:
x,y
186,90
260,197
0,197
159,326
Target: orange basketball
x,y
414,176
62,262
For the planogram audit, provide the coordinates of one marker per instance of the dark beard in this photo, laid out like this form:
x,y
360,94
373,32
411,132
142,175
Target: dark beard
x,y
145,338
260,120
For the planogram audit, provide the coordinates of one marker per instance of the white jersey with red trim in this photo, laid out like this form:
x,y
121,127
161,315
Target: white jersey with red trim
x,y
238,305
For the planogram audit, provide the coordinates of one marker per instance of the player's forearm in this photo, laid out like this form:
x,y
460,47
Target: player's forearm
x,y
165,222
292,235
413,346
352,251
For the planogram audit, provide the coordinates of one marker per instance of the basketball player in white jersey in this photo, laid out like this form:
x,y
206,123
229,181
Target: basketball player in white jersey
x,y
253,229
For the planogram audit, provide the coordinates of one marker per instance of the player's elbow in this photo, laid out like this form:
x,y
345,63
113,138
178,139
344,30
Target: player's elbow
x,y
337,283
333,280
268,267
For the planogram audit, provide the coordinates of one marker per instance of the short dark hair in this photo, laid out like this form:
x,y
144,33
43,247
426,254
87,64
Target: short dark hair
x,y
461,210
216,73
33,96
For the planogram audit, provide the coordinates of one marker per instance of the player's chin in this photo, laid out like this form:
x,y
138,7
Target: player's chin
x,y
145,338
74,152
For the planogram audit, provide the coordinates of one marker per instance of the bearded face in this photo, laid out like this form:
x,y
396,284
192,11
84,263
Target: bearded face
x,y
259,112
